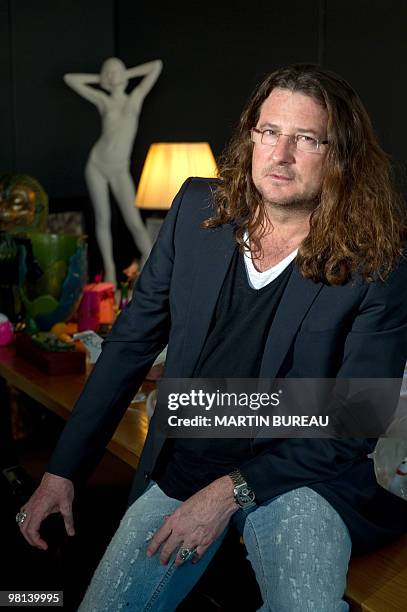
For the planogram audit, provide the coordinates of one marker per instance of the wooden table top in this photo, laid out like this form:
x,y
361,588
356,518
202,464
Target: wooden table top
x,y
377,582
59,393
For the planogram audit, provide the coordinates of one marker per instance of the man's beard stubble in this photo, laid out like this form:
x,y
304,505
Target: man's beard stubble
x,y
300,204
296,205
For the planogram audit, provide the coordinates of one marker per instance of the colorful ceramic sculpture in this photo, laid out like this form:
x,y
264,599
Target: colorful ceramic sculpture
x,y
55,294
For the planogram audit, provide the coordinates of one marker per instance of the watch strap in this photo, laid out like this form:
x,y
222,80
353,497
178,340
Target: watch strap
x,y
244,496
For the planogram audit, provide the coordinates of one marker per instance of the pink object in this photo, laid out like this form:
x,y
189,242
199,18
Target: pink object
x,y
6,331
96,307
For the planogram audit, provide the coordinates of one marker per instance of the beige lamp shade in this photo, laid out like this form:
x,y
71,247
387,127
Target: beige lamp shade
x,y
167,166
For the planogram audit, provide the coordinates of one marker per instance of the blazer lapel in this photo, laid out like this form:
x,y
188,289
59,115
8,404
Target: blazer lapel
x,y
294,305
210,270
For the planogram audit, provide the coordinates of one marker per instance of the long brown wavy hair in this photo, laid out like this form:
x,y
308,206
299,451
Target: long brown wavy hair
x,y
359,224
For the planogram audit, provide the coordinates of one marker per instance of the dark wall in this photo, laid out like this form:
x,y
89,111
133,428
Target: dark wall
x,y
7,150
366,43
213,56
51,126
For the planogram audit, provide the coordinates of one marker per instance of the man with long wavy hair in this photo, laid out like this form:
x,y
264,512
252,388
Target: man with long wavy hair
x,y
356,221
290,265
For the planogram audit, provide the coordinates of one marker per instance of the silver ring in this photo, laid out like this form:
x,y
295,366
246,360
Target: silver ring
x,y
186,553
20,517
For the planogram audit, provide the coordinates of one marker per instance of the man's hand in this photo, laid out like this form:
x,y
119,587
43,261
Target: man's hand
x,y
197,522
54,494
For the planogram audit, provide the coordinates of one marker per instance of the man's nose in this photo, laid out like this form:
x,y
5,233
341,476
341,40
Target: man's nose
x,y
283,151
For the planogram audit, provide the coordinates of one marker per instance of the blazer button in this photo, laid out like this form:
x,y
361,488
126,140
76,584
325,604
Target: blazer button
x,y
146,475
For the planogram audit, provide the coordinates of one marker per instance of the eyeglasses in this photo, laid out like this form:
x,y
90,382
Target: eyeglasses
x,y
303,142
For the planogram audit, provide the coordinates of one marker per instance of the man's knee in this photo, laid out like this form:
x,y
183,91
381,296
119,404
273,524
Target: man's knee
x,y
299,548
300,519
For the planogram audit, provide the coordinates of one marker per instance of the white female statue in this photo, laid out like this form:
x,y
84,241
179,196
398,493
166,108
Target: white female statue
x,y
109,160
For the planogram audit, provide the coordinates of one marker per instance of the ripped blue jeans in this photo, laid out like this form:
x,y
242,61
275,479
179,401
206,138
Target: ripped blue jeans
x,y
297,544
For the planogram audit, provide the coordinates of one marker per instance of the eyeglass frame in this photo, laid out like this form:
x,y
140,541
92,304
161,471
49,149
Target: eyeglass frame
x,y
292,139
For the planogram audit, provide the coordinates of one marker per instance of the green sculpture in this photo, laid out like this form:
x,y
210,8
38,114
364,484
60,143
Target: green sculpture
x,y
44,272
55,295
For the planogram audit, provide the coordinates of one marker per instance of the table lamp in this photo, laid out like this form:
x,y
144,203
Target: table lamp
x,y
167,166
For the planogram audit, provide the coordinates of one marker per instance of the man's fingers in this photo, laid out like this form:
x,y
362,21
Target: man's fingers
x,y
30,531
54,494
162,534
68,520
167,550
38,541
200,551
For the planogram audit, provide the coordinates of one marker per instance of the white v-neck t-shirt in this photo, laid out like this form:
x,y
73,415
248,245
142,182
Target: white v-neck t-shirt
x,y
258,280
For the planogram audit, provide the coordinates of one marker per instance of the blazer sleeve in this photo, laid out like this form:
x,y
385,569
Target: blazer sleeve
x,y
375,347
137,337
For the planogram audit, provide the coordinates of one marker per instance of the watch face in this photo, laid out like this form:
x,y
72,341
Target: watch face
x,y
245,495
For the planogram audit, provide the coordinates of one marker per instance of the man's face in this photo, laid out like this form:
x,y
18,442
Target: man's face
x,y
282,174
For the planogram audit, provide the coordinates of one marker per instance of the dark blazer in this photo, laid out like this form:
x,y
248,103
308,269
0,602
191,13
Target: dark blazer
x,y
358,330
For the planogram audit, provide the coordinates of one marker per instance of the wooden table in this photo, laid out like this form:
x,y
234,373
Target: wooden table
x,y
377,582
59,393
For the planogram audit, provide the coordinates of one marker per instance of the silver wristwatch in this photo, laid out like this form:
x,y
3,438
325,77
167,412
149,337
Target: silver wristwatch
x,y
243,494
